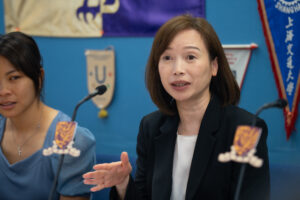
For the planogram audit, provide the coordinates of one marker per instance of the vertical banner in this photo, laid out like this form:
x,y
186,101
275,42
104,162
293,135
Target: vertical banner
x,y
238,57
281,24
101,71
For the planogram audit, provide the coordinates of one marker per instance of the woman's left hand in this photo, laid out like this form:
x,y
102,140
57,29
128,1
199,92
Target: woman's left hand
x,y
109,174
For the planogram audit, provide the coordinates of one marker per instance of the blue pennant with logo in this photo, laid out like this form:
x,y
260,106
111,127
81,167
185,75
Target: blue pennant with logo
x,y
281,23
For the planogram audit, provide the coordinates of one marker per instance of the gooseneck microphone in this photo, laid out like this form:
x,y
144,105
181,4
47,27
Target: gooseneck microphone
x,y
98,91
279,103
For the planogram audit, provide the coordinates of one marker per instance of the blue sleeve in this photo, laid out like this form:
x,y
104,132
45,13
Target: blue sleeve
x,y
70,181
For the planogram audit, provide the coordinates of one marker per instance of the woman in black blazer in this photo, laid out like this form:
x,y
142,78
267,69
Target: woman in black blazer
x,y
189,79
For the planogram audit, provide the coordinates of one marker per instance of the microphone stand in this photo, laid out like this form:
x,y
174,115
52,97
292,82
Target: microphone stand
x,y
280,103
243,167
99,90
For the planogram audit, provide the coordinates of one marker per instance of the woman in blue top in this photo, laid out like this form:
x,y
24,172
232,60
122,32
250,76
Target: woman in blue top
x,y
27,126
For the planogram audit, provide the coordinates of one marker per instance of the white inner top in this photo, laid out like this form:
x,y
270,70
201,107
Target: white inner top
x,y
184,150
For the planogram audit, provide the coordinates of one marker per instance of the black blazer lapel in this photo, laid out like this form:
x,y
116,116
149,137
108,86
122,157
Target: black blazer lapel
x,y
204,146
164,153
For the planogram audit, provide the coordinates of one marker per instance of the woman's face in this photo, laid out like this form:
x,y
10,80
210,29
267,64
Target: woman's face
x,y
17,93
185,68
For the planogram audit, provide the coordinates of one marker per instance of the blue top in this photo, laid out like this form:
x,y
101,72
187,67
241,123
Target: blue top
x,y
32,177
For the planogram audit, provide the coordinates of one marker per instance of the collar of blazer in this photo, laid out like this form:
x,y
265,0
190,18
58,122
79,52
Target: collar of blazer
x,y
164,152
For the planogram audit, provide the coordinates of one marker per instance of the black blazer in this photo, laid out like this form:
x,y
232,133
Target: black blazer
x,y
209,179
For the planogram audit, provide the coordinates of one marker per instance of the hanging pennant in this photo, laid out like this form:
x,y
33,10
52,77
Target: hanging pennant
x,y
238,57
281,25
101,71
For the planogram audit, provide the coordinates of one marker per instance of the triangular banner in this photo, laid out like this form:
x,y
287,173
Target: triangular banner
x,y
281,24
238,57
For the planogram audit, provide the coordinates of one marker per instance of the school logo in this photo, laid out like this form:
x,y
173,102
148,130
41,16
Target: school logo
x,y
63,140
92,7
288,6
245,139
244,147
101,71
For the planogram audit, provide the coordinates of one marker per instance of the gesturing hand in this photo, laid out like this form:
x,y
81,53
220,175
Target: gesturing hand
x,y
109,174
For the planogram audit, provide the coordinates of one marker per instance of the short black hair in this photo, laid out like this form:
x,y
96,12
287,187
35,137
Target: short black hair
x,y
23,53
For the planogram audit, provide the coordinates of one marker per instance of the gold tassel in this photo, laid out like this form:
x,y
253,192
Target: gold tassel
x,y
103,113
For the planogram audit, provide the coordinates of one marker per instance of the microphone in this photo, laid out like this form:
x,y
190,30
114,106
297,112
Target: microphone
x,y
98,91
279,103
101,89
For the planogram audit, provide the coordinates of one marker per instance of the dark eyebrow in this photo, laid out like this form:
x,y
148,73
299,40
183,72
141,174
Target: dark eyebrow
x,y
11,71
187,47
192,47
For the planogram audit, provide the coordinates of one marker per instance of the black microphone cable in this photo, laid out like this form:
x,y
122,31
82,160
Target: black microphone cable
x,y
280,103
99,91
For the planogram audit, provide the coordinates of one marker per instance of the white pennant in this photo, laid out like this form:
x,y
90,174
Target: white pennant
x,y
238,57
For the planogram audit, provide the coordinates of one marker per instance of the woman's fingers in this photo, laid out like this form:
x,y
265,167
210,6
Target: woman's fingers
x,y
125,162
88,175
97,188
90,181
94,174
107,166
124,158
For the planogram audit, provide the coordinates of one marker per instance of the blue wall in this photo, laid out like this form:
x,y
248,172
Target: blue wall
x,y
235,21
